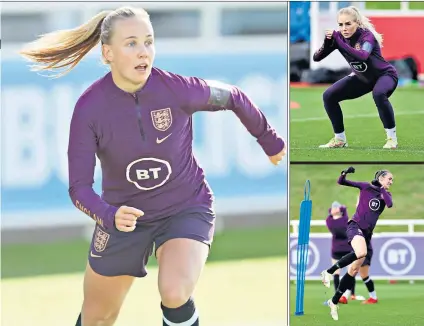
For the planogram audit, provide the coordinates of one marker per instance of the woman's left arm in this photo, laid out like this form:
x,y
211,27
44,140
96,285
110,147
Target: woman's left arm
x,y
204,95
387,197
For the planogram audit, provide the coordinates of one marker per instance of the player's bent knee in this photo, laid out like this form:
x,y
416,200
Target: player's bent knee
x,y
174,296
95,316
361,253
377,95
328,95
353,269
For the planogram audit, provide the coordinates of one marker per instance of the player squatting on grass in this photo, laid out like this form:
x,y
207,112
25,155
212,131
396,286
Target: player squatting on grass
x,y
373,198
138,120
337,221
360,44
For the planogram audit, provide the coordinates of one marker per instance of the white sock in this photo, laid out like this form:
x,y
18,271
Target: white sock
x,y
373,295
391,133
341,136
347,294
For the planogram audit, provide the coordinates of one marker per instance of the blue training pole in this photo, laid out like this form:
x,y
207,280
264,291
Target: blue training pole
x,y
303,247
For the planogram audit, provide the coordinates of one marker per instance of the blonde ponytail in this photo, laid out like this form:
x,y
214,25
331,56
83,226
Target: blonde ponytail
x,y
64,48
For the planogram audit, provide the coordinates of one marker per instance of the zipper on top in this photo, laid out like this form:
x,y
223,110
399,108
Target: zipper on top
x,y
138,111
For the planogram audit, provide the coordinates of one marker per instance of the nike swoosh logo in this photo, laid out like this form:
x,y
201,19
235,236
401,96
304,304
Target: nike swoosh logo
x,y
159,141
93,255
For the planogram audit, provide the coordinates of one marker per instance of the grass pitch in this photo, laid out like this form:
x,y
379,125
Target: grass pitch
x,y
239,293
243,284
399,305
310,127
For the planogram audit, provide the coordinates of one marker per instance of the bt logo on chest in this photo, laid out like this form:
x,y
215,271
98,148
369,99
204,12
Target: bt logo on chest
x,y
359,66
148,173
374,204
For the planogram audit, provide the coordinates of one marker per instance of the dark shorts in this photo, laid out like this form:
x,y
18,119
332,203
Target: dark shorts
x,y
353,229
368,257
114,253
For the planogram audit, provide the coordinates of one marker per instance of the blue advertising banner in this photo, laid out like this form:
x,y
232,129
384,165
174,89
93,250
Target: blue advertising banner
x,y
36,113
395,256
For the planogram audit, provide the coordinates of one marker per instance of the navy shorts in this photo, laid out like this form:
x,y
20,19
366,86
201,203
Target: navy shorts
x,y
353,229
368,257
114,253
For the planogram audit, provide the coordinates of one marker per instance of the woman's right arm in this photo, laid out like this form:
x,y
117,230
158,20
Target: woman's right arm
x,y
326,49
343,182
81,164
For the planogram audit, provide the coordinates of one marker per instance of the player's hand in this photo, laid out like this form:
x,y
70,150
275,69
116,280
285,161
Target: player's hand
x,y
329,34
276,159
126,218
350,169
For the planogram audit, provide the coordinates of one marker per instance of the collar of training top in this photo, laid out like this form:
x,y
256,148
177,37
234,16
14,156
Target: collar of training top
x,y
114,91
354,38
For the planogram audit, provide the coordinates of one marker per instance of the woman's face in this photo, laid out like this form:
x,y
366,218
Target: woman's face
x,y
347,25
131,51
335,211
386,181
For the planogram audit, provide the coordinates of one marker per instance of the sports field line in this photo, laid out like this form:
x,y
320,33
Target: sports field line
x,y
356,149
368,115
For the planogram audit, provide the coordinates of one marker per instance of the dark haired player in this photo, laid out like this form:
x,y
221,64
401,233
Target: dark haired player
x,y
373,198
336,222
359,43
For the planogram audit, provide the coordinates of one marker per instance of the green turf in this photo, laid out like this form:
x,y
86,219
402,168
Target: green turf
x,y
383,5
310,127
416,5
399,305
68,257
407,190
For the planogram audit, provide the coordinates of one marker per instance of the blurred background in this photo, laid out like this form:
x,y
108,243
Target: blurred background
x,y
399,22
397,267
308,20
45,238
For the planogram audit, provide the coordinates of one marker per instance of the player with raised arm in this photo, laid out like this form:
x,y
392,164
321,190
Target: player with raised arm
x,y
137,119
336,222
360,44
373,199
